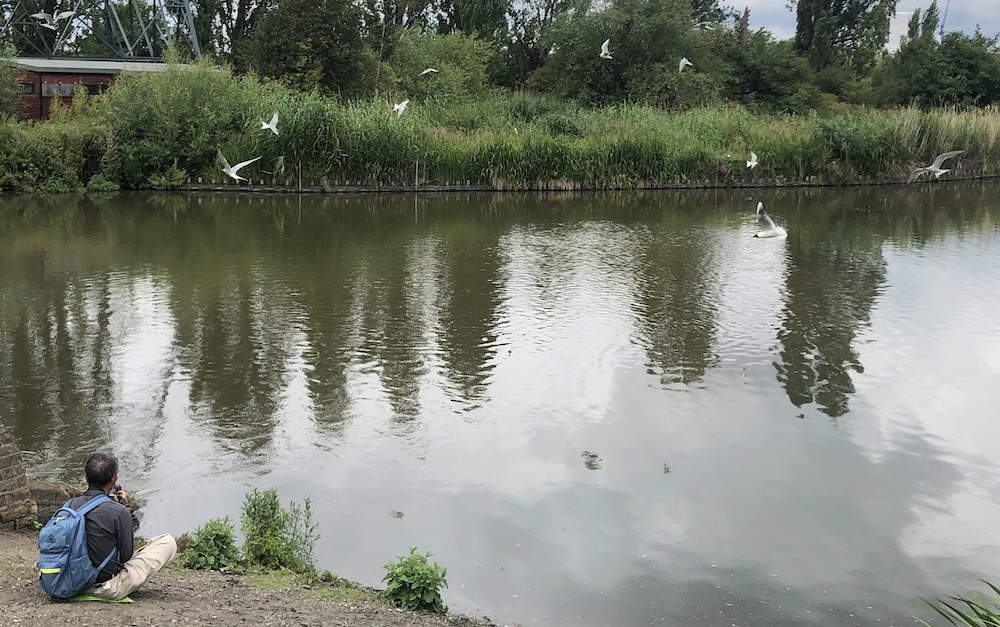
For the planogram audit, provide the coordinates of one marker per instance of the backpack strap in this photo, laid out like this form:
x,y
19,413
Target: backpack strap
x,y
86,507
91,504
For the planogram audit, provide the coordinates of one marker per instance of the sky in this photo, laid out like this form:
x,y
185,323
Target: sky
x,y
963,15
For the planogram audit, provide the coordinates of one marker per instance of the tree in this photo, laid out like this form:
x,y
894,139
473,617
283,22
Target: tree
x,y
829,32
225,26
312,45
707,11
483,18
648,39
10,94
460,60
384,21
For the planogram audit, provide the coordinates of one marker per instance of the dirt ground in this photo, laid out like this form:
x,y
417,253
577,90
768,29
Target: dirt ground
x,y
177,596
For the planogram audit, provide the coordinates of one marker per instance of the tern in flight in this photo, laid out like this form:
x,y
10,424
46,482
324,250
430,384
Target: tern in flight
x,y
934,168
231,170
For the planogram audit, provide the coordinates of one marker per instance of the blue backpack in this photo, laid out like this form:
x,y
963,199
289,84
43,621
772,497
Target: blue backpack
x,y
64,564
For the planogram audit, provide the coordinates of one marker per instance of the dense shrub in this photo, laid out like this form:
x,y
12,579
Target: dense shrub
x,y
413,583
276,538
176,117
212,547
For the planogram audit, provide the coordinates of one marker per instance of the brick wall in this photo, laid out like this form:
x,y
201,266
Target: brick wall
x,y
17,509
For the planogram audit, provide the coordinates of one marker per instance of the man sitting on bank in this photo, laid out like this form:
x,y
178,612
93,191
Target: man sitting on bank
x,y
109,526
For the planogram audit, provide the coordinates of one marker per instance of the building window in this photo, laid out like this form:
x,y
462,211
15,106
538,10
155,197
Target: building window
x,y
93,90
50,89
67,89
27,88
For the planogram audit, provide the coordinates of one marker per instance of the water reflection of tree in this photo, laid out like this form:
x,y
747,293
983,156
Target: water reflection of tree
x,y
391,328
235,346
677,306
55,380
471,296
831,285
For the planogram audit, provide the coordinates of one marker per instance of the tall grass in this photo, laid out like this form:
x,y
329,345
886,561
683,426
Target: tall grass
x,y
173,121
976,610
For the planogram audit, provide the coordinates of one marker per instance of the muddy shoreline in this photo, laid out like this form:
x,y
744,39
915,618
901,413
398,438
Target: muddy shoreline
x,y
177,596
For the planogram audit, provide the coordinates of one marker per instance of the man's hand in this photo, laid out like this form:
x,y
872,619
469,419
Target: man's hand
x,y
122,497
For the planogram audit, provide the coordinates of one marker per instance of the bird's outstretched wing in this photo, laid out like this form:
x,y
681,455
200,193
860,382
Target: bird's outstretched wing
x,y
917,174
274,120
236,168
606,47
765,222
222,159
941,158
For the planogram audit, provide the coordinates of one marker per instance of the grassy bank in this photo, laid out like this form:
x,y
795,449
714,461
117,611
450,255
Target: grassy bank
x,y
162,129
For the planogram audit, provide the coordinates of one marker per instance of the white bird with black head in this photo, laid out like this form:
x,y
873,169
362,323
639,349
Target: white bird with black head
x,y
767,227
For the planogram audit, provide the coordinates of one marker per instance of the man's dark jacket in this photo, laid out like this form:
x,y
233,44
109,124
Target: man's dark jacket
x,y
108,526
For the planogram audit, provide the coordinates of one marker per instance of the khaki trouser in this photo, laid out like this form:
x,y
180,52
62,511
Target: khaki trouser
x,y
145,563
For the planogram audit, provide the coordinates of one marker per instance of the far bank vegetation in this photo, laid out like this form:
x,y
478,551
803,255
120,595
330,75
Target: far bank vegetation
x,y
522,100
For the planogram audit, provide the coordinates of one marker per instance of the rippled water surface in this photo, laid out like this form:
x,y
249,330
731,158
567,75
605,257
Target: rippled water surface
x,y
613,409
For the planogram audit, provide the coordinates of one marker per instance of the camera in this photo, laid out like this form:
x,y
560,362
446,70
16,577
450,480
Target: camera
x,y
113,494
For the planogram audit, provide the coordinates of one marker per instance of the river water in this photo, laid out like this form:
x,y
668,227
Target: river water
x,y
593,409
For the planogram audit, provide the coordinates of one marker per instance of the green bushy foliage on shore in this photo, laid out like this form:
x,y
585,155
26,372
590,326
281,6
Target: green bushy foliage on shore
x,y
151,130
414,583
212,547
275,537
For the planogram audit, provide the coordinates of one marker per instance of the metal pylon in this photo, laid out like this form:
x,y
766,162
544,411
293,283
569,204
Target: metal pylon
x,y
129,29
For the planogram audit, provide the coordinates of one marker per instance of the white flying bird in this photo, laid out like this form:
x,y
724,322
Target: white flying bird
x,y
399,108
702,26
230,170
273,124
605,49
429,70
51,20
684,63
934,168
753,160
767,228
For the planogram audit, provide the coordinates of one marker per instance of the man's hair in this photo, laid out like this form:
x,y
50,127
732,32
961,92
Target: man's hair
x,y
101,467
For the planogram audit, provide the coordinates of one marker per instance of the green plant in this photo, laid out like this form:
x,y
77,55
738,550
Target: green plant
x,y
275,537
99,184
979,609
413,583
171,178
212,547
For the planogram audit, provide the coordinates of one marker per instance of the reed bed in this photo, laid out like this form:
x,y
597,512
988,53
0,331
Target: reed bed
x,y
173,121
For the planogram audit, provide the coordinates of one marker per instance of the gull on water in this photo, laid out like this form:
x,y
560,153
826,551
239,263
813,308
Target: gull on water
x,y
231,170
934,168
429,70
684,63
753,160
273,124
767,228
399,108
605,49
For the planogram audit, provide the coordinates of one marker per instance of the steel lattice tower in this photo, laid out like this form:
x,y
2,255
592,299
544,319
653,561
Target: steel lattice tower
x,y
127,30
